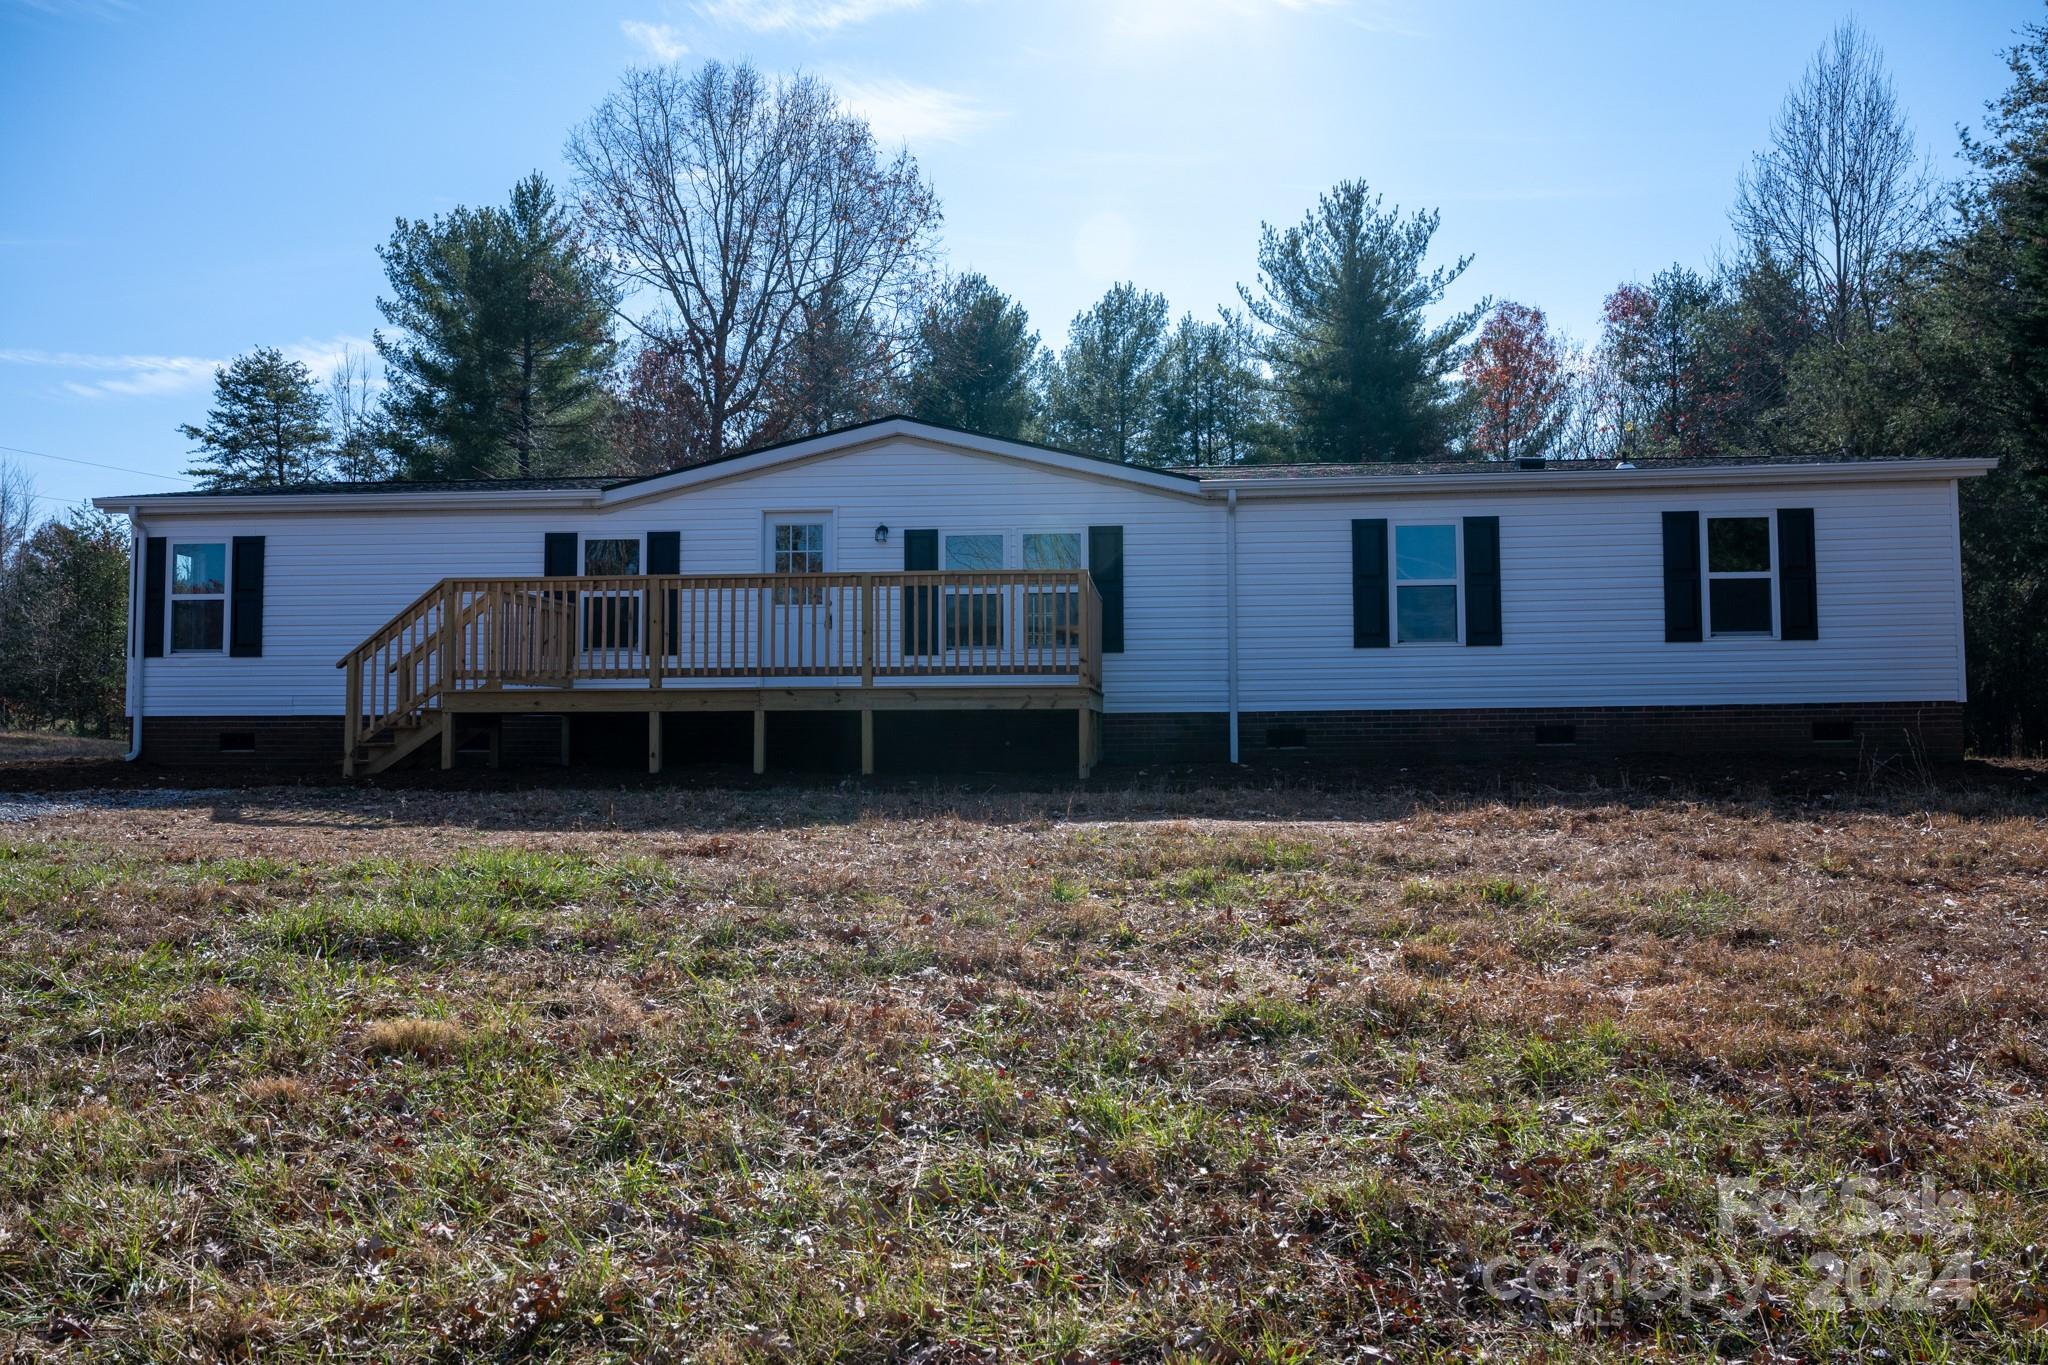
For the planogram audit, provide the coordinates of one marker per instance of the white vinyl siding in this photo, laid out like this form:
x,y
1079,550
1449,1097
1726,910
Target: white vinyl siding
x,y
1581,584
331,578
1582,603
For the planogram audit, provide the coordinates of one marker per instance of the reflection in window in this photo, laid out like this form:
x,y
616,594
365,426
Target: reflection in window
x,y
1426,584
199,583
974,620
611,621
798,547
979,553
1052,617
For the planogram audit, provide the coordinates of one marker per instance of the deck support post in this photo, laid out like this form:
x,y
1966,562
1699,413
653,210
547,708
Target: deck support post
x,y
447,739
867,741
654,741
760,740
351,723
1084,713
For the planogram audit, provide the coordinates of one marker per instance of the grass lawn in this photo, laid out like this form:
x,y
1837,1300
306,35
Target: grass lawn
x,y
1260,1074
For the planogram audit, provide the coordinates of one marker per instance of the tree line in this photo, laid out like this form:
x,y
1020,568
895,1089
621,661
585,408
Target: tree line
x,y
735,262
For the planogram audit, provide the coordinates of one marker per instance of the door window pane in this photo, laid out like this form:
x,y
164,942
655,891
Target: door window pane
x,y
1427,614
799,547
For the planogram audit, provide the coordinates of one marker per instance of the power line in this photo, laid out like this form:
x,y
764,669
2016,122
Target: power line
x,y
95,464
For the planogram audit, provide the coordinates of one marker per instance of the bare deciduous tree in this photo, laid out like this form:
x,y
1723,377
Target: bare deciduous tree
x,y
743,207
352,416
1842,190
17,510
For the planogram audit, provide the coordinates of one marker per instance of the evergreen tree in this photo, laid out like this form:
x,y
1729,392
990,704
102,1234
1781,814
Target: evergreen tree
x,y
1101,391
1359,372
64,624
974,361
499,365
1210,404
267,427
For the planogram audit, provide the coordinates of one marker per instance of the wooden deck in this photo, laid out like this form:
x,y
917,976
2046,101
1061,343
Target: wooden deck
x,y
1012,640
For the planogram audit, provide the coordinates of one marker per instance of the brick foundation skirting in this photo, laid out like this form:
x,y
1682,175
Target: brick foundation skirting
x,y
1932,730
1362,738
242,741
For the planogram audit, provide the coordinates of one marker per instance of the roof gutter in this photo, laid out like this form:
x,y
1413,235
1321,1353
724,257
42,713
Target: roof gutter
x,y
234,503
1551,481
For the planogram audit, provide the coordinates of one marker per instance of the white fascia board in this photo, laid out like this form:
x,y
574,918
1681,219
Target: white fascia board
x,y
218,505
1594,481
934,438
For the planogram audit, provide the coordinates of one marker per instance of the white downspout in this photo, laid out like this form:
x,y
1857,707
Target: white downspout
x,y
137,582
1230,613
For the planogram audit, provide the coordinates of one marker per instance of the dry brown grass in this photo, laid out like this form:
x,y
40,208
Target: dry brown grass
x,y
429,1039
1256,1074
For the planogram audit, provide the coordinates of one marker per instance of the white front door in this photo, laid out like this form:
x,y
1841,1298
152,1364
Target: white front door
x,y
796,621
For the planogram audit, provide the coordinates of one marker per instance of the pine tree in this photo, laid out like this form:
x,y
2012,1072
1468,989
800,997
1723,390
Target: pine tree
x,y
1210,404
1358,371
500,363
267,427
1101,391
974,362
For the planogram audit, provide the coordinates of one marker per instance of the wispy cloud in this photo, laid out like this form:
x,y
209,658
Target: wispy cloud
x,y
663,42
904,111
800,16
156,376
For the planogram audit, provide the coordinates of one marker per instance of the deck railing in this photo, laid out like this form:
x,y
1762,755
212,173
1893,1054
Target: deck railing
x,y
468,634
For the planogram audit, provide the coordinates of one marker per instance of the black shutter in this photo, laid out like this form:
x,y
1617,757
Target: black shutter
x,y
1682,578
153,588
920,605
1482,580
245,599
1369,584
664,552
1798,584
665,556
558,554
1106,567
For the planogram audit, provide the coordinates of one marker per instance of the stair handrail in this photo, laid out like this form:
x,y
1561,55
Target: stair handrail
x,y
364,713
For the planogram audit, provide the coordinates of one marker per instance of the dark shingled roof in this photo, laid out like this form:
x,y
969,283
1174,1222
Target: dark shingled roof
x,y
1306,473
567,484
1412,468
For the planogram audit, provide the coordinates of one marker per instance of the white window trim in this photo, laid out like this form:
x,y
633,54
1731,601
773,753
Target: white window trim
x,y
583,539
172,597
1395,582
1708,575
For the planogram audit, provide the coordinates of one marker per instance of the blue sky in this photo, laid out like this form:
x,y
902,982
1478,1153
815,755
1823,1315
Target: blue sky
x,y
180,182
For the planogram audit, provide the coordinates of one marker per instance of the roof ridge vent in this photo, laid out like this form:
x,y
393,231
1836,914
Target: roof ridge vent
x,y
1531,462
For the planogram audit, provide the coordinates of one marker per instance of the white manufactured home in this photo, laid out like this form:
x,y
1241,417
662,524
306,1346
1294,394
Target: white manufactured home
x,y
918,581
